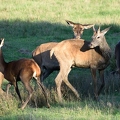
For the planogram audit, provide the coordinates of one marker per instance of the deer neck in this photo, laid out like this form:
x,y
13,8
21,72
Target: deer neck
x,y
105,50
2,62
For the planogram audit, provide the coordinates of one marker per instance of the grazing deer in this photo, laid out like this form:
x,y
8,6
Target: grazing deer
x,y
24,70
80,53
41,53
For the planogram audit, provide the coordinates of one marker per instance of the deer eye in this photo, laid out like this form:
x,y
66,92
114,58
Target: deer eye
x,y
98,37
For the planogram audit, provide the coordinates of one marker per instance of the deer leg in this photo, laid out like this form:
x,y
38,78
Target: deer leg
x,y
1,81
69,85
58,81
18,92
93,71
8,87
43,91
47,73
30,92
44,74
16,89
41,76
101,73
25,76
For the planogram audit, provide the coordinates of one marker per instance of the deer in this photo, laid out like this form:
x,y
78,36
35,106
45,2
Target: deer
x,y
21,70
94,55
41,53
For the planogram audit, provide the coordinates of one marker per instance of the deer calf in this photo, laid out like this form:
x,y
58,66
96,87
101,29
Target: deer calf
x,y
80,53
24,70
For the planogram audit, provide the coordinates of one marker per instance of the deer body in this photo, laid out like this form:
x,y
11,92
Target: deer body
x,y
17,68
80,53
41,53
24,70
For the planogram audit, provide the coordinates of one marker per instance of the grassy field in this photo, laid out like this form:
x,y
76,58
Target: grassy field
x,y
26,24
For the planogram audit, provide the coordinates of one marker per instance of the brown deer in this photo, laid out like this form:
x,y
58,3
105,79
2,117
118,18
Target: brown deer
x,y
80,53
24,70
41,53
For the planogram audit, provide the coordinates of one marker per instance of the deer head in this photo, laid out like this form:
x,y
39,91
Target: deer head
x,y
98,38
78,28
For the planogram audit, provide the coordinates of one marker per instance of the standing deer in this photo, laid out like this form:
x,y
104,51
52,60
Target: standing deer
x,y
24,70
83,54
41,53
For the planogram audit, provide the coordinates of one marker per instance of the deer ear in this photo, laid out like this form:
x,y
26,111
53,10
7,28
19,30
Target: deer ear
x,y
105,30
94,29
70,23
87,26
2,41
98,29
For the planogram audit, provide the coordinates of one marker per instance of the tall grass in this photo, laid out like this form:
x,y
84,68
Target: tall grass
x,y
25,24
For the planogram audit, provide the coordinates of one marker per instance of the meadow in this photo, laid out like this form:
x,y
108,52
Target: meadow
x,y
26,24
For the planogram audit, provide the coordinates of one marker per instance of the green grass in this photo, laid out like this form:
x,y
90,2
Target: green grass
x,y
26,24
69,110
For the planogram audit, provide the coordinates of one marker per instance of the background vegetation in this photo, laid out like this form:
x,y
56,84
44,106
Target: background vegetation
x,y
25,24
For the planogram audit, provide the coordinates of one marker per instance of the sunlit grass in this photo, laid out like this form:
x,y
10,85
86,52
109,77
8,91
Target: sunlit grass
x,y
72,110
90,11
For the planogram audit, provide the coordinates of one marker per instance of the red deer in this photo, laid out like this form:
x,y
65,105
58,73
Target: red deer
x,y
41,53
24,70
80,53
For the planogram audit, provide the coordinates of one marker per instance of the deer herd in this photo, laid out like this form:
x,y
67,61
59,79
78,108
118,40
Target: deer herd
x,y
62,56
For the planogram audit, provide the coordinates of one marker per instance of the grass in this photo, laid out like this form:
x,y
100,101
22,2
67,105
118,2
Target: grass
x,y
26,24
72,110
107,107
